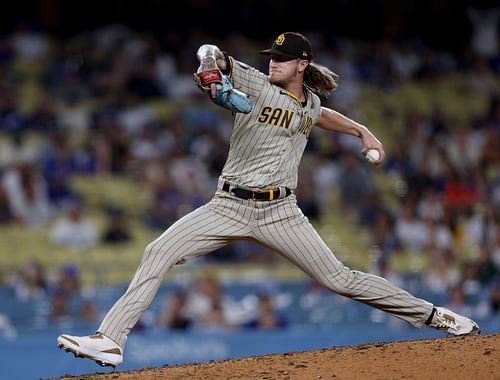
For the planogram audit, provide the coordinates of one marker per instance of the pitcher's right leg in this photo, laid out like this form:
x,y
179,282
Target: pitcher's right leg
x,y
201,231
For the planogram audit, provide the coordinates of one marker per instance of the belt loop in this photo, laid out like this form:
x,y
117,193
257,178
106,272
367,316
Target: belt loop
x,y
271,194
282,192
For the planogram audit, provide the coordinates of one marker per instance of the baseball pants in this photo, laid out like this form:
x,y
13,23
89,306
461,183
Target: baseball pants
x,y
279,225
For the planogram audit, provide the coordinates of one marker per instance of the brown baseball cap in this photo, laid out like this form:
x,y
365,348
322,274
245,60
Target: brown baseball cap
x,y
290,44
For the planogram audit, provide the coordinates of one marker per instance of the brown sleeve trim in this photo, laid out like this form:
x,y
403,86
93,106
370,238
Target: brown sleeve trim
x,y
229,64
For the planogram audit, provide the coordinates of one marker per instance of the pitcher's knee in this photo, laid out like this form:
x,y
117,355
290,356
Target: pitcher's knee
x,y
341,282
154,249
164,252
150,249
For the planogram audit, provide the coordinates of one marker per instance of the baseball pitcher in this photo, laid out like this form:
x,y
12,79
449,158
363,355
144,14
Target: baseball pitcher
x,y
273,118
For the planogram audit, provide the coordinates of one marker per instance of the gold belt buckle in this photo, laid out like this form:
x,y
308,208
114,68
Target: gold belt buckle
x,y
271,193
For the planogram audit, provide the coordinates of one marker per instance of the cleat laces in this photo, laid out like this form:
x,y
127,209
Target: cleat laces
x,y
447,322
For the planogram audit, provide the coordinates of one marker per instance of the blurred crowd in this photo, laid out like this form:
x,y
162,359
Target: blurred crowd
x,y
206,303
116,102
201,304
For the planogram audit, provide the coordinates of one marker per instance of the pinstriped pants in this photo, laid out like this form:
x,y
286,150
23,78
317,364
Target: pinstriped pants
x,y
279,225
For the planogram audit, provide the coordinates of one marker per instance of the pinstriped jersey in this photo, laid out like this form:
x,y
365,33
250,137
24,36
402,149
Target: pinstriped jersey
x,y
267,144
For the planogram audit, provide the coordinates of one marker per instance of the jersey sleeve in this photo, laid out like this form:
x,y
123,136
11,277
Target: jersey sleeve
x,y
316,107
246,78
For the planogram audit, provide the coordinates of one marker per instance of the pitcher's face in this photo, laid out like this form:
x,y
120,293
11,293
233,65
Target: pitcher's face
x,y
283,70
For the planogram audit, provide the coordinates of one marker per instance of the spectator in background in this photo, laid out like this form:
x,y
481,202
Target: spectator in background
x,y
74,230
65,297
215,320
371,209
209,307
60,310
430,205
144,83
146,146
326,173
117,231
166,199
205,293
382,238
490,154
26,193
441,275
173,314
16,146
73,114
69,280
67,303
191,175
484,38
439,235
111,146
138,118
471,285
463,147
486,268
419,179
398,162
356,183
460,192
44,118
58,164
480,225
72,309
267,318
410,230
7,329
5,212
29,44
88,311
30,282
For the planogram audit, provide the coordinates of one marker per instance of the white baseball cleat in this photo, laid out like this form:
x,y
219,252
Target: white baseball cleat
x,y
452,323
97,347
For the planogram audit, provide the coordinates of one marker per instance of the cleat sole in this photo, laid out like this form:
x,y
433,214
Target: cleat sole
x,y
83,356
105,364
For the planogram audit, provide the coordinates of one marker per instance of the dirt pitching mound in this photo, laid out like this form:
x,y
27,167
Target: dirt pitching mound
x,y
476,358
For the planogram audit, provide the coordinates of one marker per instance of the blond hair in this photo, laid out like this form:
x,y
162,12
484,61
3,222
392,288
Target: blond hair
x,y
320,79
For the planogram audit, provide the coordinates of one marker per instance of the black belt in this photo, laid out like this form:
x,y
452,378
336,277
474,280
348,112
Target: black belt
x,y
261,195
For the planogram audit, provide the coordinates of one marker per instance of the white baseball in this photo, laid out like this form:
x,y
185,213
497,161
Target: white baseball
x,y
373,155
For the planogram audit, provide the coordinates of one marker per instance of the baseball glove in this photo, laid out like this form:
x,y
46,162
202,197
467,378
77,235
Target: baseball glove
x,y
225,94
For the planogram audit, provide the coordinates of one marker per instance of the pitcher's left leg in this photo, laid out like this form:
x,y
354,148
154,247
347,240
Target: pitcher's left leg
x,y
287,231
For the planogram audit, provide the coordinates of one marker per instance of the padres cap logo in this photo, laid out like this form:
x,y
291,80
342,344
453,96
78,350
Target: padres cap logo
x,y
291,45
